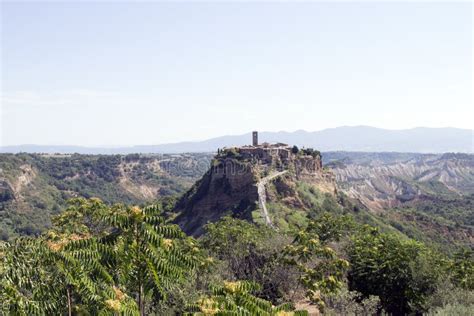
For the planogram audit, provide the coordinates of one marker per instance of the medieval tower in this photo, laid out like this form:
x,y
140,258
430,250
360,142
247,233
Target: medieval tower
x,y
254,138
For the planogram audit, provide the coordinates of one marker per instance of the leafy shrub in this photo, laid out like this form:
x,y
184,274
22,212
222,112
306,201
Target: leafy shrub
x,y
235,298
251,253
403,273
351,303
450,310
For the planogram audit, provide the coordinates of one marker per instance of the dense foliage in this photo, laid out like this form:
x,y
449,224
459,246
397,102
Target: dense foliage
x,y
34,187
444,222
235,298
401,272
330,254
98,259
118,259
322,269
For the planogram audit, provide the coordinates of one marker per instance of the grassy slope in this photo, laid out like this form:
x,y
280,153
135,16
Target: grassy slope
x,y
444,223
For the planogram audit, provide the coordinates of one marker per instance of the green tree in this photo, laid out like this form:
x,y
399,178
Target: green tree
x,y
322,269
403,273
251,252
20,271
462,269
235,298
329,227
58,275
150,256
96,260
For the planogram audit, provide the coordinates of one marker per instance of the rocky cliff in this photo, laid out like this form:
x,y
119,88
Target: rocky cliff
x,y
230,186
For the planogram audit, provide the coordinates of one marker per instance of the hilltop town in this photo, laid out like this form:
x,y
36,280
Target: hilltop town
x,y
278,156
240,181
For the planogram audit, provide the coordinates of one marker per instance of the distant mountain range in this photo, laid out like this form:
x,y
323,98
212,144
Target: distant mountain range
x,y
345,138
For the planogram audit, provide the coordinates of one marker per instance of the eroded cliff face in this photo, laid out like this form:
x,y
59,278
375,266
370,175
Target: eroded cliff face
x,y
35,187
382,185
230,186
309,170
227,188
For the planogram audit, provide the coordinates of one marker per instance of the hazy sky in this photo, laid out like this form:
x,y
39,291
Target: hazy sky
x,y
149,73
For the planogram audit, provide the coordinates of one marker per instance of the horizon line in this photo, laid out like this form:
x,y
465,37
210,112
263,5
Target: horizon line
x,y
229,135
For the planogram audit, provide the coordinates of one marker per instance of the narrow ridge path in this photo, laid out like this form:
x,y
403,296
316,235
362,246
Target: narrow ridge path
x,y
262,196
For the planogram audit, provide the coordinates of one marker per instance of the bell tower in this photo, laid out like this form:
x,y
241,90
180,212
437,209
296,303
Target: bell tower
x,y
254,138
